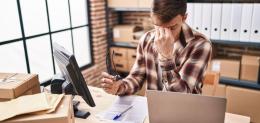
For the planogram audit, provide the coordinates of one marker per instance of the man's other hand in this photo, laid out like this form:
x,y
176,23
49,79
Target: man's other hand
x,y
109,83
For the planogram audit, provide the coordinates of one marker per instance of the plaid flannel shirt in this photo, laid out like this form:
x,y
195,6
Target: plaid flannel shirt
x,y
183,73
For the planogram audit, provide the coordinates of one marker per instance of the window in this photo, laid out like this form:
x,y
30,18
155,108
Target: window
x,y
29,27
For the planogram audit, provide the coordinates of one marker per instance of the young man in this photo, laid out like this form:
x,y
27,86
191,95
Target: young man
x,y
171,57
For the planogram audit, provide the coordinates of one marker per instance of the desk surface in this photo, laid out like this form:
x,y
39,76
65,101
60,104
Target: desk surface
x,y
104,100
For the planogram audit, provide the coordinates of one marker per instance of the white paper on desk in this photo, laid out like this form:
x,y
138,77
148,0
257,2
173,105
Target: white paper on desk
x,y
136,114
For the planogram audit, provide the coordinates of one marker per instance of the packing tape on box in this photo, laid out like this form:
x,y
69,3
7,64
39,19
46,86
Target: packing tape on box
x,y
116,33
5,81
216,66
9,79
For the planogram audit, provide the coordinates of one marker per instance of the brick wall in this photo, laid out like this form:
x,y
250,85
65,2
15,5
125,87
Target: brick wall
x,y
135,17
235,51
92,74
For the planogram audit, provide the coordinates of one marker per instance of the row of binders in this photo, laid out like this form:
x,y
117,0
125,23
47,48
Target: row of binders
x,y
226,21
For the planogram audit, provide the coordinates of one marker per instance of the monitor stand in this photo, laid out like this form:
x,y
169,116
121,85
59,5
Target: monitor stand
x,y
79,113
68,89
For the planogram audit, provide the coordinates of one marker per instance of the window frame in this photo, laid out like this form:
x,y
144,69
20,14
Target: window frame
x,y
24,38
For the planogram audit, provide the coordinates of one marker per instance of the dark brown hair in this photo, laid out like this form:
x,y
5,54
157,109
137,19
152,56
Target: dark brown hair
x,y
166,10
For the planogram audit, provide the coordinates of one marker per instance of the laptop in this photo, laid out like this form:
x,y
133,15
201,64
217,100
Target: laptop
x,y
174,107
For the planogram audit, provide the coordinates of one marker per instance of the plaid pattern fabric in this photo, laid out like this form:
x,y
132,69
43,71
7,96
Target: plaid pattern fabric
x,y
184,73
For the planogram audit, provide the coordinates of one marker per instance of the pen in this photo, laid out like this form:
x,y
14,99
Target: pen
x,y
119,115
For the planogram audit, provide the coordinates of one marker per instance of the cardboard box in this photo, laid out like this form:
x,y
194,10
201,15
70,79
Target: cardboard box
x,y
125,33
244,102
119,53
131,54
17,84
34,90
131,58
208,90
63,114
250,68
120,58
210,82
220,90
145,3
123,3
227,68
123,58
121,65
211,78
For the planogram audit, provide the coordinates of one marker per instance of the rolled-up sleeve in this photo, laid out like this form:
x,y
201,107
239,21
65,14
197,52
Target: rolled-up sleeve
x,y
134,81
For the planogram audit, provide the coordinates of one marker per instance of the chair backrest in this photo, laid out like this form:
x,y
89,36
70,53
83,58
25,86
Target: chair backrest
x,y
210,83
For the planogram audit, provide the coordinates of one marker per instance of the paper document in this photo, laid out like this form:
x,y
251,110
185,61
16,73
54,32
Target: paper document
x,y
53,100
136,114
36,104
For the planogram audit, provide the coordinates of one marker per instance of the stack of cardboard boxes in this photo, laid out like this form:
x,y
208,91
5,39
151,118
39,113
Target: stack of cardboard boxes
x,y
13,85
239,100
245,69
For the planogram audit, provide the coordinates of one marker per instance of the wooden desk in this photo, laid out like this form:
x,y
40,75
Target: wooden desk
x,y
104,100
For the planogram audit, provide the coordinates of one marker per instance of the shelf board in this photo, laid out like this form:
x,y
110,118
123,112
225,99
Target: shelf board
x,y
240,83
123,44
229,81
131,9
239,43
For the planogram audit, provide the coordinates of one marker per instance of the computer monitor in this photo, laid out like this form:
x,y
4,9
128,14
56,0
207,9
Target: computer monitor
x,y
71,72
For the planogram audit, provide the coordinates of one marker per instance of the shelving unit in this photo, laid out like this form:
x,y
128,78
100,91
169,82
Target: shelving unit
x,y
227,81
238,43
240,83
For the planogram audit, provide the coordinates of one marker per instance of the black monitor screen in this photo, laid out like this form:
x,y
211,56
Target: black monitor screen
x,y
70,70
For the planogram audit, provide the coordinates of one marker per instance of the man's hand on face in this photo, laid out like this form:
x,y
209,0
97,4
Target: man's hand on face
x,y
164,41
109,83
